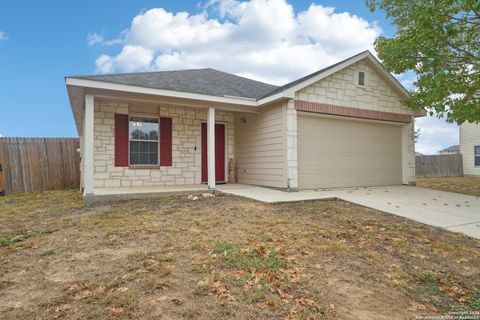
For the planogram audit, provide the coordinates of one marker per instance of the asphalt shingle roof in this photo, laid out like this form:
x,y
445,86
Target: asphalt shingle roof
x,y
201,81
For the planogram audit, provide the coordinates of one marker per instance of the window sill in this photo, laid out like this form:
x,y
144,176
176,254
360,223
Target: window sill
x,y
143,167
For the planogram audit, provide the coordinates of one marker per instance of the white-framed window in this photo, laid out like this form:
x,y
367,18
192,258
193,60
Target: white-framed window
x,y
143,141
476,154
361,78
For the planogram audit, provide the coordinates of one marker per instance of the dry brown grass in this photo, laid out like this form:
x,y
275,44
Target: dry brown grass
x,y
226,258
464,185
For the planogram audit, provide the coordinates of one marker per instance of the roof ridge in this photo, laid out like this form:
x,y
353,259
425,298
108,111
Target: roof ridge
x,y
165,71
242,77
134,73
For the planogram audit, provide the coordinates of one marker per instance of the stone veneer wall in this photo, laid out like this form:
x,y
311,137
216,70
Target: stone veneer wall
x,y
186,166
411,152
340,89
292,161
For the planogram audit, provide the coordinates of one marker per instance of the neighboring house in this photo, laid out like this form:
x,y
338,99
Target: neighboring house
x,y
418,154
455,149
470,148
343,126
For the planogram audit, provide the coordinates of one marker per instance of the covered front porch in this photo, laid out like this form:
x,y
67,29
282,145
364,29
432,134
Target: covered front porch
x,y
200,146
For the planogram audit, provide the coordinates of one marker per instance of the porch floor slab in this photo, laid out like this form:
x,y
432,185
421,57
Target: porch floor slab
x,y
129,193
156,189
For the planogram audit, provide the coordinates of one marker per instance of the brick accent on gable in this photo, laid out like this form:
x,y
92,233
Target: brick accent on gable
x,y
331,109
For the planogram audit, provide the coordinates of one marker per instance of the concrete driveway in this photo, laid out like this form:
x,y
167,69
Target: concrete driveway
x,y
446,210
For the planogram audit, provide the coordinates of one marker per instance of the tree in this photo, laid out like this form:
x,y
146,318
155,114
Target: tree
x,y
439,40
416,135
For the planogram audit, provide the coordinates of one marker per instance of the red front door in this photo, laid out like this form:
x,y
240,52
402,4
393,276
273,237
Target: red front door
x,y
219,152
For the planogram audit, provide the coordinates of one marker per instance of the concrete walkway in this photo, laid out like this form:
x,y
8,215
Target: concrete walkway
x,y
446,210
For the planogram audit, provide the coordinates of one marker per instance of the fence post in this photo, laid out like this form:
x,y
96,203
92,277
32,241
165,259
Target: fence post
x,y
2,178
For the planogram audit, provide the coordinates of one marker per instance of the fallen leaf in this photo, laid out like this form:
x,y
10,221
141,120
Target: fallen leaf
x,y
82,295
116,310
63,307
415,306
306,302
284,295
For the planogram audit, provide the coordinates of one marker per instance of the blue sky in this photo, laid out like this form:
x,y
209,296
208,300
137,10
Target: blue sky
x,y
44,41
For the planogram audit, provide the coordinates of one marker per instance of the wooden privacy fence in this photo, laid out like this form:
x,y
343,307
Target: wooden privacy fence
x,y
38,164
450,165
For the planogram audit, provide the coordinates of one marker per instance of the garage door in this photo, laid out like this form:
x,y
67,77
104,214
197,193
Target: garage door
x,y
348,153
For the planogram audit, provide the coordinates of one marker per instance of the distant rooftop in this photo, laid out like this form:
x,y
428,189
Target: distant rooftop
x,y
453,148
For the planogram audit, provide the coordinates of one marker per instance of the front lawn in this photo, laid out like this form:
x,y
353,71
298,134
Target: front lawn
x,y
226,258
465,185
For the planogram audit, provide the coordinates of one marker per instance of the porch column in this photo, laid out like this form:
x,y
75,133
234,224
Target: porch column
x,y
211,147
88,144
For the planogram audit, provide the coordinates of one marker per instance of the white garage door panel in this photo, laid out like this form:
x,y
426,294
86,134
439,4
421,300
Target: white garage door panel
x,y
346,153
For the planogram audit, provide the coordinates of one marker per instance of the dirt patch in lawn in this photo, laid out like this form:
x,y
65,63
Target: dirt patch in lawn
x,y
226,258
464,185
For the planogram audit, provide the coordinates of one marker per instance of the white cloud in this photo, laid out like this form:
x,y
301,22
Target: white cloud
x,y
435,134
3,36
263,39
131,58
95,38
407,79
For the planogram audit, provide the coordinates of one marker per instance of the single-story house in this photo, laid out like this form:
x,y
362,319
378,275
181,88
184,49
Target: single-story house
x,y
342,126
470,148
455,149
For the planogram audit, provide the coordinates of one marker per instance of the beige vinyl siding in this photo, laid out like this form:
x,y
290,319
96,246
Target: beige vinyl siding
x,y
260,147
348,153
469,138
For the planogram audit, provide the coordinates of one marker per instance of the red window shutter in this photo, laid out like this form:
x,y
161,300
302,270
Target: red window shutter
x,y
165,141
121,140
